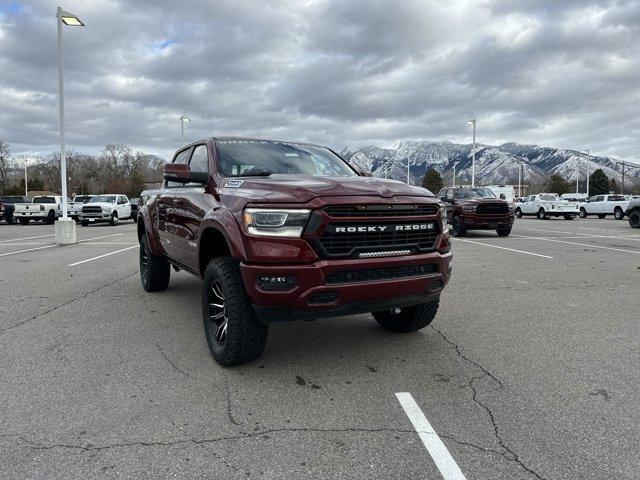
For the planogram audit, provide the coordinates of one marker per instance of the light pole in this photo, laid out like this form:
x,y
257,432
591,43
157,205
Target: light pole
x,y
453,183
473,152
577,175
588,171
65,231
520,179
183,118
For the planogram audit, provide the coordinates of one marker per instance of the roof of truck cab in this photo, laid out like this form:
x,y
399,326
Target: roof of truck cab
x,y
254,139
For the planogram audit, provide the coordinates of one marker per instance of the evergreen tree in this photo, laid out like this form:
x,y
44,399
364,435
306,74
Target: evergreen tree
x,y
432,181
557,184
613,185
598,183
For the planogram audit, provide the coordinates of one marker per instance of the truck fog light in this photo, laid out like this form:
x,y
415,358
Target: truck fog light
x,y
436,284
275,283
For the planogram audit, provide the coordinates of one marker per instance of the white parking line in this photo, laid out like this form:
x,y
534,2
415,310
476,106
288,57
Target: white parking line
x,y
101,256
552,231
590,245
97,238
503,248
438,451
28,250
26,238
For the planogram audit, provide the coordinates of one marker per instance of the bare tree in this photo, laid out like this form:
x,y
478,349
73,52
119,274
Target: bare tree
x,y
5,165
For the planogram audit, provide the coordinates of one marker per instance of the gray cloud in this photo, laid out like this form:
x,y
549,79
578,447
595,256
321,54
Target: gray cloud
x,y
562,74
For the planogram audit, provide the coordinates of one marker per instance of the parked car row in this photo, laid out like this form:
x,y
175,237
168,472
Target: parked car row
x,y
85,209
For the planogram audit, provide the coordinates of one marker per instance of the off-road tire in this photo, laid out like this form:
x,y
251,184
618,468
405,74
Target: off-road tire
x,y
457,228
23,221
634,219
503,232
518,213
601,215
583,212
154,269
114,220
569,216
409,319
245,339
618,213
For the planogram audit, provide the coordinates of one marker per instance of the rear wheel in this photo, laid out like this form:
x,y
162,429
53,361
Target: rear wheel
x,y
233,332
583,212
23,221
601,215
569,216
503,231
408,319
154,269
634,219
457,228
541,214
51,217
618,213
114,219
518,213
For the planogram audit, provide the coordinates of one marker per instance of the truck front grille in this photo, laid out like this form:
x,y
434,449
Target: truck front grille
x,y
380,210
90,209
370,275
492,208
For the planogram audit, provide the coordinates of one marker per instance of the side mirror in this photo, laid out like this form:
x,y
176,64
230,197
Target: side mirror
x,y
180,173
503,196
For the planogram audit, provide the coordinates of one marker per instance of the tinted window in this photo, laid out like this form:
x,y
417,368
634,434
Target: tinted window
x,y
548,198
199,159
616,198
44,200
263,157
103,199
473,193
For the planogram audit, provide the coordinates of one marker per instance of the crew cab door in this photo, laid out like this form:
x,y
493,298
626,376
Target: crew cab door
x,y
166,209
596,205
191,203
123,207
528,206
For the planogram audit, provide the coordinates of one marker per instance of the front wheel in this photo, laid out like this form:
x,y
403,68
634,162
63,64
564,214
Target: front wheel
x,y
408,319
518,213
84,223
503,231
618,214
114,219
233,332
457,228
154,269
583,213
634,219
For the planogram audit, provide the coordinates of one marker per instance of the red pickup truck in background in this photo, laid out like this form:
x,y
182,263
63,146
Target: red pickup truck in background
x,y
283,231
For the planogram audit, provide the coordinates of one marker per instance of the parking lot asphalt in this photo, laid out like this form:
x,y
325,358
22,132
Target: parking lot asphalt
x,y
530,369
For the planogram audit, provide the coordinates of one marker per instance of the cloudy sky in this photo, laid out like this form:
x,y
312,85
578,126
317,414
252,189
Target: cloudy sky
x,y
354,72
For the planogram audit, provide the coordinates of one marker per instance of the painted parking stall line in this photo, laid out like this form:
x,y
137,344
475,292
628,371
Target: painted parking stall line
x,y
503,248
28,250
101,256
26,238
438,451
590,245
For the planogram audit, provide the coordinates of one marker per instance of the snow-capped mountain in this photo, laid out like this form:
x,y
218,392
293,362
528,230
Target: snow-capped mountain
x,y
494,164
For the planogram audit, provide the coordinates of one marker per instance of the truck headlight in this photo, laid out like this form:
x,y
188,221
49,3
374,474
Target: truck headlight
x,y
469,208
276,222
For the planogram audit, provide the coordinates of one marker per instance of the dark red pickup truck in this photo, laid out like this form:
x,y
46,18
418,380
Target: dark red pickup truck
x,y
284,231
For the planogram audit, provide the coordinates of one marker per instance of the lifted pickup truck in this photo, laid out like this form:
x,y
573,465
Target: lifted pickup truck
x,y
476,208
284,231
633,212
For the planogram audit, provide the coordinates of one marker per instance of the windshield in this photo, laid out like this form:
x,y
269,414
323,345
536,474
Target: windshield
x,y
82,198
103,199
474,193
237,158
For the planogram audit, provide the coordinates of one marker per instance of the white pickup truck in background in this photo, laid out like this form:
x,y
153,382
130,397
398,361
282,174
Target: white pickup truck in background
x,y
74,209
546,205
46,209
603,205
106,208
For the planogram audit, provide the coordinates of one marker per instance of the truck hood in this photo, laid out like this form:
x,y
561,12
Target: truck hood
x,y
478,201
99,204
283,188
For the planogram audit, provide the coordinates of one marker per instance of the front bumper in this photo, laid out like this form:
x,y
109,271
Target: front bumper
x,y
312,296
473,221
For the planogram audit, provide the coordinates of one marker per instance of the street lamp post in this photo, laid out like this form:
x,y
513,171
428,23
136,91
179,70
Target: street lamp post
x,y
183,118
588,171
453,183
577,175
473,152
65,231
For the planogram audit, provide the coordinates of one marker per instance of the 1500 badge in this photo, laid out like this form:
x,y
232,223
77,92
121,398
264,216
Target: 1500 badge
x,y
383,228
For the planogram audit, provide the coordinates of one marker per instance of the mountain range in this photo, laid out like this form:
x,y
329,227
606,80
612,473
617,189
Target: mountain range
x,y
493,165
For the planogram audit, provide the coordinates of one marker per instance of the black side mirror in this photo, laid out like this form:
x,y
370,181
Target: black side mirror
x,y
503,196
